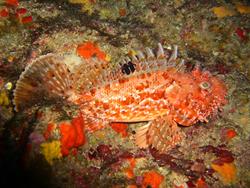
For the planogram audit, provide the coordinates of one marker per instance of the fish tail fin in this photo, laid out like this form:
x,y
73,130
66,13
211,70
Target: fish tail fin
x,y
46,78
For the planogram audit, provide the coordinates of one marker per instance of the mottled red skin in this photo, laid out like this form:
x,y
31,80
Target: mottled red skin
x,y
147,96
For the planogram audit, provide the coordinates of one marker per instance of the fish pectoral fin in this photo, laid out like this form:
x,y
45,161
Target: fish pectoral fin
x,y
141,139
162,134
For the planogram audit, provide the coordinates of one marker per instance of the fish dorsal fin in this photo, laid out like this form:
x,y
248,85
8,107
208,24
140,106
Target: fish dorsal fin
x,y
94,73
150,61
47,77
56,76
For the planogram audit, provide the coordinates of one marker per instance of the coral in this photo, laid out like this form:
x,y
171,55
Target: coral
x,y
72,135
67,137
221,11
200,183
26,19
89,49
4,12
120,128
152,178
6,111
243,9
223,164
227,172
51,151
12,14
129,171
12,2
50,128
4,99
8,86
4,93
122,12
241,33
227,134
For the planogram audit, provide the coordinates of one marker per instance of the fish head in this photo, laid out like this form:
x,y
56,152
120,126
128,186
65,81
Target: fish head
x,y
195,96
209,88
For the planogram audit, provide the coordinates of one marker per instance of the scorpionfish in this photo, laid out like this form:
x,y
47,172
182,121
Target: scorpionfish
x,y
159,91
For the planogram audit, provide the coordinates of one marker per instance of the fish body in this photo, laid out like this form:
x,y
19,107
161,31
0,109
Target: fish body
x,y
159,91
147,96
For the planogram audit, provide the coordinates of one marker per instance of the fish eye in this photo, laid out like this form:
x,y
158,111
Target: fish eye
x,y
205,85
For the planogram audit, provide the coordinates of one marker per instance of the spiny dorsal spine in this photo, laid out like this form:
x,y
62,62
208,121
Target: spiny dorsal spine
x,y
150,61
